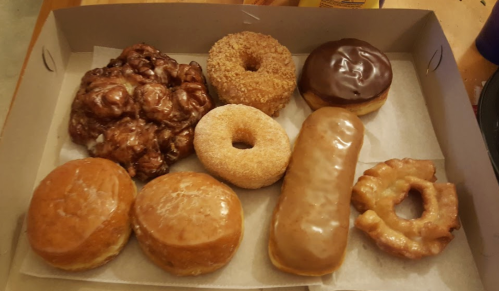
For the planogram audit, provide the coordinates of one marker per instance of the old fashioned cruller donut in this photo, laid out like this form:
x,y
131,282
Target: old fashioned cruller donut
x,y
259,166
252,69
386,185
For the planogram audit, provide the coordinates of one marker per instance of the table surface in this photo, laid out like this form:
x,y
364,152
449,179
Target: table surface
x,y
461,22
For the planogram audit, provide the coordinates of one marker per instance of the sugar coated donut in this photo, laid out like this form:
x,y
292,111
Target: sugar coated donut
x,y
252,69
259,166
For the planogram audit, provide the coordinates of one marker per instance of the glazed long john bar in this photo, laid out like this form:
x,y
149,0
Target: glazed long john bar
x,y
310,223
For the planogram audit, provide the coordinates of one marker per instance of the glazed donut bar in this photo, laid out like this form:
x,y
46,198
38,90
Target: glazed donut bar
x,y
309,229
348,73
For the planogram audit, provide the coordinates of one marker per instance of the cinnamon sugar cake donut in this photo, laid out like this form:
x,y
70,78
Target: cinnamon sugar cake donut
x,y
252,69
259,166
140,110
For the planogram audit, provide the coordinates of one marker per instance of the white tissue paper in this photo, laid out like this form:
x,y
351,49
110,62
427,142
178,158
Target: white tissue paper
x,y
400,129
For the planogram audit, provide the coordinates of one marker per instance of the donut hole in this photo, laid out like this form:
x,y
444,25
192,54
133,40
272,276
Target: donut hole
x,y
243,140
251,63
241,145
411,207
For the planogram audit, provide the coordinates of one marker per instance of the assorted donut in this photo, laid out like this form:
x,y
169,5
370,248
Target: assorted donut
x,y
78,218
188,223
260,165
140,110
144,112
387,184
252,69
347,73
315,195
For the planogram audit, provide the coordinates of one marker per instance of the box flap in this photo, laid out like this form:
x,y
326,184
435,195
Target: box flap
x,y
467,163
171,27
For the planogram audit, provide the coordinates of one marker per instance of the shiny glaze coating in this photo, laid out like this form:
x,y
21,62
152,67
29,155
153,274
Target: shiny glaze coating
x,y
79,214
382,187
310,223
346,71
188,223
141,88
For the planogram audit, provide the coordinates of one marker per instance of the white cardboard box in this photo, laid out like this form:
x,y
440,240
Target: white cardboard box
x,y
27,150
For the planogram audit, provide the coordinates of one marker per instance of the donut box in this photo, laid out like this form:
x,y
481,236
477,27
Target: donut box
x,y
443,129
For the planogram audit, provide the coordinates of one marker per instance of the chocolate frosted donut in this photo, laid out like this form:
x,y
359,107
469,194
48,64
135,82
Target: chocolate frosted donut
x,y
348,73
140,110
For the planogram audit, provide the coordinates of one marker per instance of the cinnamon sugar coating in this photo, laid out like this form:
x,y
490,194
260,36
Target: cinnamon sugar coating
x,y
252,69
259,166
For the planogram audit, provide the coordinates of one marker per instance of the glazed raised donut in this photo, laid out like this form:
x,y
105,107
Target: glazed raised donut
x,y
78,218
386,185
188,223
309,229
252,69
259,166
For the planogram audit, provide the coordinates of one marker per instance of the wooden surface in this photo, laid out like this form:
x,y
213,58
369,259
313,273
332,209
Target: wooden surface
x,y
461,22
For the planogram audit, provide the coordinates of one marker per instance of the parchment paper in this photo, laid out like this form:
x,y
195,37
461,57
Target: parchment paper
x,y
401,128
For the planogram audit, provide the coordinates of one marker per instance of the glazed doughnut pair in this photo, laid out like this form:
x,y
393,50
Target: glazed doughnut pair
x,y
81,216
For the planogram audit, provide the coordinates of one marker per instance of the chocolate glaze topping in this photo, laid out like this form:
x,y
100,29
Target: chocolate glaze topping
x,y
346,71
140,110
